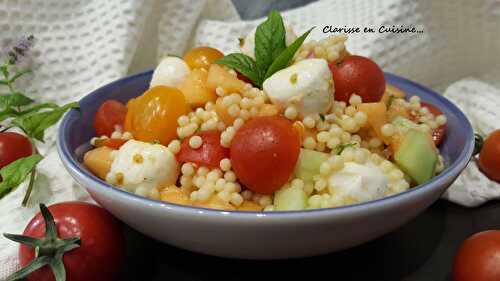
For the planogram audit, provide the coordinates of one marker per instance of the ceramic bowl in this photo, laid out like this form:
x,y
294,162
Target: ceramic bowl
x,y
259,235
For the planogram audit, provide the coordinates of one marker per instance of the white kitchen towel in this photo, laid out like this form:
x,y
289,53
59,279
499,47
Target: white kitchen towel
x,y
481,103
84,44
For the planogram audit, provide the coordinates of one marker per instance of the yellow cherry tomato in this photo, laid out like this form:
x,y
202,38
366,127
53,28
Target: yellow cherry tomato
x,y
202,57
153,116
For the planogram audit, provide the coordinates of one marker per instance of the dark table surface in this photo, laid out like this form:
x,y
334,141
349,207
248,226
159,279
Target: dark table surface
x,y
423,249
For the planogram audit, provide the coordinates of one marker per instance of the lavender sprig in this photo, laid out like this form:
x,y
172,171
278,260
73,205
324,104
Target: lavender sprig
x,y
20,50
15,55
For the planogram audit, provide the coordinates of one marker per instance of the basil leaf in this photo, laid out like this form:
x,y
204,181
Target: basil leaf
x,y
269,40
16,172
14,99
244,65
38,107
286,56
8,113
8,101
35,123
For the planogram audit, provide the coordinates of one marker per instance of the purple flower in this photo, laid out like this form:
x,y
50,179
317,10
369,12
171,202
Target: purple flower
x,y
18,51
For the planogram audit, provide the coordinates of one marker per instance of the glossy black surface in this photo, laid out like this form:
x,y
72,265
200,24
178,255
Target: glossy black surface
x,y
421,250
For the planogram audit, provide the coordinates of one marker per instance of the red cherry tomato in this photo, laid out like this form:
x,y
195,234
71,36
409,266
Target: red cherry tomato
x,y
478,258
358,75
264,152
439,133
101,254
208,154
110,114
114,143
12,147
489,157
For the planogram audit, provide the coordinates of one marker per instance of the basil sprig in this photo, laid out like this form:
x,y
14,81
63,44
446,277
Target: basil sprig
x,y
19,110
283,60
271,52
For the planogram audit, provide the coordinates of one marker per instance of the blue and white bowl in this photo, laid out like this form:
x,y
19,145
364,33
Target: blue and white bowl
x,y
258,235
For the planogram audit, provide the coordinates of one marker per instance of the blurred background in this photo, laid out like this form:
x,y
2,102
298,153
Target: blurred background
x,y
89,43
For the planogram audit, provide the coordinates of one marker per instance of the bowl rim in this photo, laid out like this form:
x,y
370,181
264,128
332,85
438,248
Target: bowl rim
x,y
75,169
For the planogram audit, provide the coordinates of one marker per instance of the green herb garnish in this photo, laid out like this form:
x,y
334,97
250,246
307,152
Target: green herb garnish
x,y
271,53
285,57
19,110
269,40
245,65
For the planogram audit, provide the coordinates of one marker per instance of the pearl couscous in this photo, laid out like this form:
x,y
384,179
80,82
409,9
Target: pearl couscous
x,y
210,133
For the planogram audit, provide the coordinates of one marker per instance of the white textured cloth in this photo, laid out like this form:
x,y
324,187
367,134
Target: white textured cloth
x,y
85,44
480,102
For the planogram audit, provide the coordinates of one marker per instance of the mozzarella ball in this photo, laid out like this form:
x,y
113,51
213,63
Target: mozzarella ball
x,y
360,182
171,71
143,166
308,85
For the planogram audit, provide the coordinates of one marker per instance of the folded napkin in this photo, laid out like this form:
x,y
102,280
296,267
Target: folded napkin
x,y
480,102
84,44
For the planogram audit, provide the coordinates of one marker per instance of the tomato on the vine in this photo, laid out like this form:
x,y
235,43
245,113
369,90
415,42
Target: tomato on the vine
x,y
111,113
357,75
89,238
264,152
12,147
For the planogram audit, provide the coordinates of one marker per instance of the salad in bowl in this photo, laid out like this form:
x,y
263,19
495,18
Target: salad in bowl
x,y
294,147
282,125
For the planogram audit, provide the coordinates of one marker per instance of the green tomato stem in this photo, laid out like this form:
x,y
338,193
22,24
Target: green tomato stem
x,y
49,249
